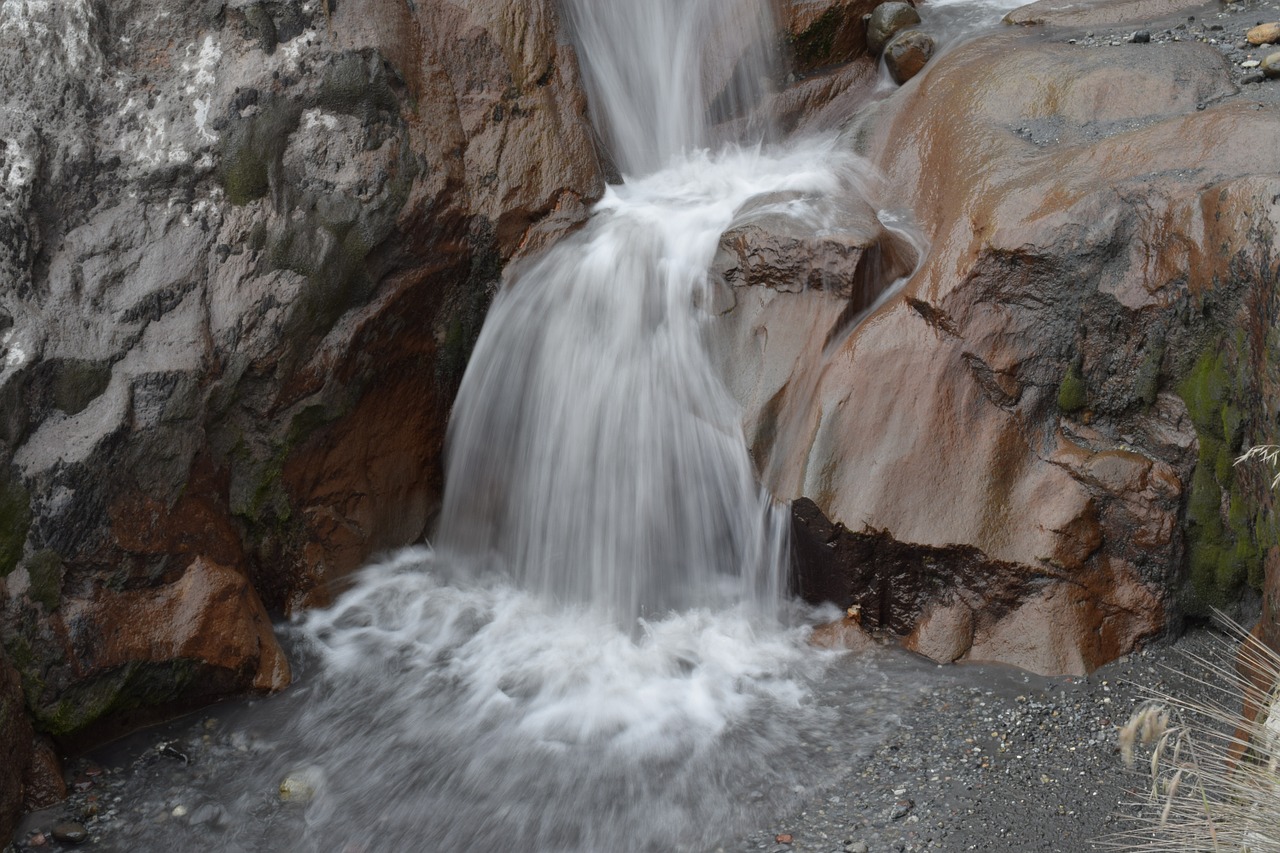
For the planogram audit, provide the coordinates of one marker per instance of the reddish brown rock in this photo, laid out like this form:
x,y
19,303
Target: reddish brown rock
x,y
906,54
1030,411
43,784
823,33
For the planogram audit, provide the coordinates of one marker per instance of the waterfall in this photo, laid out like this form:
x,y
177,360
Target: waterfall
x,y
591,656
595,455
658,72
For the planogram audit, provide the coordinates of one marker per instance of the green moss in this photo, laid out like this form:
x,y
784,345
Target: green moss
x,y
15,521
813,47
46,571
1226,541
1204,390
1146,382
134,685
1072,393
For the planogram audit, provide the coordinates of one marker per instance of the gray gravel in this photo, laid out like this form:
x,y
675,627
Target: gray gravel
x,y
998,760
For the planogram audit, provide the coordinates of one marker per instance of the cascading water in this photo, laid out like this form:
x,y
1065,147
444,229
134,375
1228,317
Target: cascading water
x,y
595,455
591,658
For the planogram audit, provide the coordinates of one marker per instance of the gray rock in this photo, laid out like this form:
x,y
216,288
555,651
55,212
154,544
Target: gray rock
x,y
886,21
70,832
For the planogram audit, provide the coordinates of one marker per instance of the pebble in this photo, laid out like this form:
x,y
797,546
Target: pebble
x,y
1271,66
857,847
70,832
1141,37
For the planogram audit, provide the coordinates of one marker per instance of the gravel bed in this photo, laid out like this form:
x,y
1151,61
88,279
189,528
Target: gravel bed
x,y
999,760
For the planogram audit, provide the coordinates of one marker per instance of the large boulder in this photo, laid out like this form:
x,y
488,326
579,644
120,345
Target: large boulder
x,y
1038,431
245,248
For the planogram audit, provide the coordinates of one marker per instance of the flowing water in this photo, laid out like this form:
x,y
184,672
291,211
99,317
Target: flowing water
x,y
597,654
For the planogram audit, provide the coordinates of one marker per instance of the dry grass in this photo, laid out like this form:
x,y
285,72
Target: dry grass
x,y
1213,781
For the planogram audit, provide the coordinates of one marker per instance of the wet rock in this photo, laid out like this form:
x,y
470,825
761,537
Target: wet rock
x,y
906,54
70,832
839,248
1263,34
1271,66
207,335
302,785
1030,421
887,20
15,746
822,34
43,783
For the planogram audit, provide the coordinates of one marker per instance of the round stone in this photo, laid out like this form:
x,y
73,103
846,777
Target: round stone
x,y
70,832
886,21
907,54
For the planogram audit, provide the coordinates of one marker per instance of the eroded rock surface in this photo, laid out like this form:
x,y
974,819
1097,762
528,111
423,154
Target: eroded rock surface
x,y
245,248
1063,384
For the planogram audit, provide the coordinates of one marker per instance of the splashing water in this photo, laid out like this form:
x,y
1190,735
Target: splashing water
x,y
596,655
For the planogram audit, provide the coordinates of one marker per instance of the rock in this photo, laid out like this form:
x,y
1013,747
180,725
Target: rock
x,y
195,637
70,832
822,34
942,471
43,784
207,334
887,20
783,838
906,54
857,847
302,785
1271,66
1263,34
15,746
1141,37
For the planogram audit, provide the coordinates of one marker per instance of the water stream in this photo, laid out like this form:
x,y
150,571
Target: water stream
x,y
598,653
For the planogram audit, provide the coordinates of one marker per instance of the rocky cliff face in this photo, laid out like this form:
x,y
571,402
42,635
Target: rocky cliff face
x,y
244,249
1060,390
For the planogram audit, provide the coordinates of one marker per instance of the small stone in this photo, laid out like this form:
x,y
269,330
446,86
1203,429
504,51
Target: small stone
x,y
301,785
907,54
1264,34
1249,79
783,838
1271,66
857,847
1250,63
901,809
70,832
37,840
1141,37
887,20
179,811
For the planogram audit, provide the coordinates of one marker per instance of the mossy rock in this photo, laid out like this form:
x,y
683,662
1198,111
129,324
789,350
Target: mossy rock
x,y
46,570
252,150
125,688
1072,392
15,520
77,383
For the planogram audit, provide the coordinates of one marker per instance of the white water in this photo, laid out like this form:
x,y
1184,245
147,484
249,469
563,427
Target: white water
x,y
596,655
